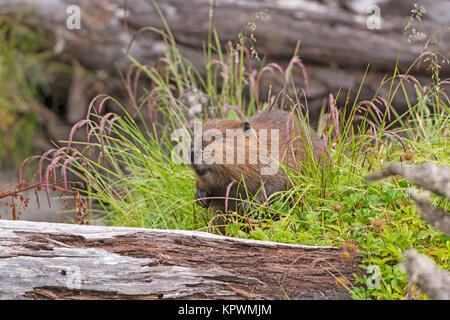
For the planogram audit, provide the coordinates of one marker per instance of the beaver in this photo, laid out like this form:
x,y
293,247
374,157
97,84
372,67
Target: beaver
x,y
237,162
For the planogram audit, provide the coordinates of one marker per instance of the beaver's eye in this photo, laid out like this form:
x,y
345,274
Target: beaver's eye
x,y
201,171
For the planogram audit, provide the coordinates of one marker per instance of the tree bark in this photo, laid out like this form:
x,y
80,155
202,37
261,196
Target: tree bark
x,y
63,261
330,34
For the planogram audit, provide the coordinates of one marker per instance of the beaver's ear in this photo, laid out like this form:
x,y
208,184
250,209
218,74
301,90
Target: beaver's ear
x,y
246,126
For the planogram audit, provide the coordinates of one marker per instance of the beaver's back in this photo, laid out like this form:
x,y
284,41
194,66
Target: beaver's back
x,y
305,141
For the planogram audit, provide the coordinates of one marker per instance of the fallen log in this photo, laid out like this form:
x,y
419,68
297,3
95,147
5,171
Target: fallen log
x,y
325,29
64,261
337,42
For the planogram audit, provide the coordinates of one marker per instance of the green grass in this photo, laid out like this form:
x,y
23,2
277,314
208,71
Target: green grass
x,y
28,68
22,68
135,182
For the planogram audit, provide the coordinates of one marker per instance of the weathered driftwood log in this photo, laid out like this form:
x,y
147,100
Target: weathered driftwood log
x,y
434,216
420,269
427,176
337,39
64,261
329,33
426,275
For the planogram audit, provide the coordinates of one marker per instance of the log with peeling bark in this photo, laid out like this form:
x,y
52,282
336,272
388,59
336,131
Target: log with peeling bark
x,y
63,261
336,42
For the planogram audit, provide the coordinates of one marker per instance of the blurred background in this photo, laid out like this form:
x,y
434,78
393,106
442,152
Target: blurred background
x,y
56,56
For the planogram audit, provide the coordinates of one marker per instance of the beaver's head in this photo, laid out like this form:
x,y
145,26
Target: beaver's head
x,y
221,143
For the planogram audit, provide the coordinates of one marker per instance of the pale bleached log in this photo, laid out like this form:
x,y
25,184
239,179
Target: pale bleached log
x,y
434,216
424,273
65,261
336,43
421,270
428,176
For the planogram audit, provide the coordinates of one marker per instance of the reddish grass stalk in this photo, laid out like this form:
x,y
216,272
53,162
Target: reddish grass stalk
x,y
227,194
289,127
297,61
334,115
396,136
265,194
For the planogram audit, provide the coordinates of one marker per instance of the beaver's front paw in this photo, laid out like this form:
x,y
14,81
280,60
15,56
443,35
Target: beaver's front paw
x,y
201,198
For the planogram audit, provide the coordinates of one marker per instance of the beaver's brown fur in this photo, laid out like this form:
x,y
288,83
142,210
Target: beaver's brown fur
x,y
244,179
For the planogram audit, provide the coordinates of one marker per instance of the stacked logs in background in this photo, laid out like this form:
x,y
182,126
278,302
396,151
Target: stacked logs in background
x,y
337,41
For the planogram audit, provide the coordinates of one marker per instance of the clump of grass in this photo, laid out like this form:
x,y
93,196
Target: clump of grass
x,y
131,176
